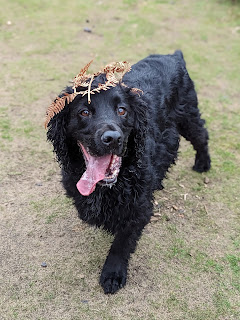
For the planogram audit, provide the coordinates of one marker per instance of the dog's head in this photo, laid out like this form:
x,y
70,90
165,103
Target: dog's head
x,y
100,132
102,126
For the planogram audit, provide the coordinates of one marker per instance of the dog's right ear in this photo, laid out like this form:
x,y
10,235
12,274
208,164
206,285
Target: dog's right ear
x,y
139,106
57,135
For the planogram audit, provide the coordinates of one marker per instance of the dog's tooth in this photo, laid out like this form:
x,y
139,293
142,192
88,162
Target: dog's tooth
x,y
113,164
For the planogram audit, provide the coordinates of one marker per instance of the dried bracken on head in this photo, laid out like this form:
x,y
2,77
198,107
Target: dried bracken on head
x,y
139,92
81,79
114,73
58,105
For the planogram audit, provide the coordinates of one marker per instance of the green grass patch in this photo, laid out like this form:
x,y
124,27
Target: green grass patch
x,y
5,125
234,262
51,209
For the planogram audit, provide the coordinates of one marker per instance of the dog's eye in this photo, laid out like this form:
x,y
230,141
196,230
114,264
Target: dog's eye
x,y
121,111
84,113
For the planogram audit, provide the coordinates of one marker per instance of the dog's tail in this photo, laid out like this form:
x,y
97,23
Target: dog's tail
x,y
179,54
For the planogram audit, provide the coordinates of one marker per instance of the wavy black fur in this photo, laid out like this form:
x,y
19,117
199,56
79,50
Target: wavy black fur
x,y
150,139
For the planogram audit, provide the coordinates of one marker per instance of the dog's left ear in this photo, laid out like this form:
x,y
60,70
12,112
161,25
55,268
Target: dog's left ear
x,y
57,134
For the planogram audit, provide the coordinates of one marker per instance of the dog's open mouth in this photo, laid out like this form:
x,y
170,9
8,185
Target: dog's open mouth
x,y
103,170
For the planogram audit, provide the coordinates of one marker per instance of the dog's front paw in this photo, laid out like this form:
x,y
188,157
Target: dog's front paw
x,y
113,277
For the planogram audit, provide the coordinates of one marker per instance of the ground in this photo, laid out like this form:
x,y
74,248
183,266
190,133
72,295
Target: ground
x,y
187,264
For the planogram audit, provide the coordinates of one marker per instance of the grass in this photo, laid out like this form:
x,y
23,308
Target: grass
x,y
187,264
5,125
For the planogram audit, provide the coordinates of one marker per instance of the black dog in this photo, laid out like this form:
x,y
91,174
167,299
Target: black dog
x,y
116,150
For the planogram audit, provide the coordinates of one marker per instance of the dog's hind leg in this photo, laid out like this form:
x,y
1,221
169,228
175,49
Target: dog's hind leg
x,y
191,127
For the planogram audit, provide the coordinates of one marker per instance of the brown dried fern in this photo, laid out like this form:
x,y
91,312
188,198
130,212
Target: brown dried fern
x,y
114,73
58,105
81,78
137,91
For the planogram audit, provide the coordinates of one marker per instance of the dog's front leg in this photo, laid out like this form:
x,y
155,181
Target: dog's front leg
x,y
114,272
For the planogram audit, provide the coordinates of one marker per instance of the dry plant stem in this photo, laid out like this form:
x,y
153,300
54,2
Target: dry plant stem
x,y
89,89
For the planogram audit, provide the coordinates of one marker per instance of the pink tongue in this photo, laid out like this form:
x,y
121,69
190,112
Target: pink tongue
x,y
96,170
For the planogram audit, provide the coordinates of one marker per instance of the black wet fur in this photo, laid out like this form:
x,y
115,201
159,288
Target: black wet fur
x,y
150,132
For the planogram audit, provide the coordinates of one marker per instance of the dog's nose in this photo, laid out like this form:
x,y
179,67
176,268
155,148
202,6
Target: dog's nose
x,y
111,138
